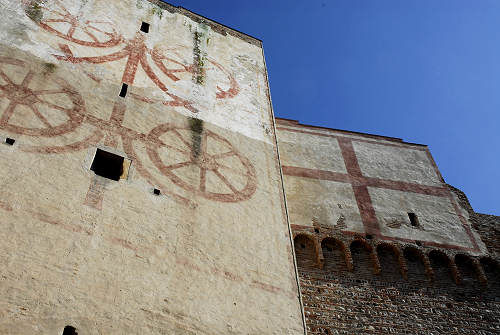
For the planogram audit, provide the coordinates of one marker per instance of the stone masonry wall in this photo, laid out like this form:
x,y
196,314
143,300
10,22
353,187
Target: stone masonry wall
x,y
487,225
383,245
367,287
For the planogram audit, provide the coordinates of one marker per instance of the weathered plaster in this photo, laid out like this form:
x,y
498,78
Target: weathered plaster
x,y
369,184
211,253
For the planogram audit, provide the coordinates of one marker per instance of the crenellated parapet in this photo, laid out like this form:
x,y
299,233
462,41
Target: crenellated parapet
x,y
313,245
359,284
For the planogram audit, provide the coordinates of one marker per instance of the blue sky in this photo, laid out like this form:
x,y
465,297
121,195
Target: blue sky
x,y
427,71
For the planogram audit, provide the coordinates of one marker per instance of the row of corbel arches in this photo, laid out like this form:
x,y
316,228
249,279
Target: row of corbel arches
x,y
374,257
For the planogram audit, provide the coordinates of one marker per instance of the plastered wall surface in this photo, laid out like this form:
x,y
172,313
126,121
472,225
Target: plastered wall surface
x,y
211,254
362,184
364,268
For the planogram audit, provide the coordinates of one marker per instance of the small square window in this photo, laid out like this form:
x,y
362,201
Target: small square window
x,y
68,330
413,219
10,141
156,191
123,91
108,165
145,27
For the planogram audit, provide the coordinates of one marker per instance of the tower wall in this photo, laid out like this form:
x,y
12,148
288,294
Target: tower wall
x,y
383,245
192,237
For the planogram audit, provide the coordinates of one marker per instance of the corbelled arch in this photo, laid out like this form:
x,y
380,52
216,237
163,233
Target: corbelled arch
x,y
491,269
418,265
390,260
363,255
335,255
306,250
468,270
443,267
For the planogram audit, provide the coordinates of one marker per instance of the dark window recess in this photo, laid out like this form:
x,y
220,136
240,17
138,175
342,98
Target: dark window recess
x,y
107,165
10,141
369,237
316,230
145,27
156,191
418,243
68,330
413,219
123,91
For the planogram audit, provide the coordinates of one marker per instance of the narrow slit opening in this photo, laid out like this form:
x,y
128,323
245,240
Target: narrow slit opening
x,y
123,91
413,219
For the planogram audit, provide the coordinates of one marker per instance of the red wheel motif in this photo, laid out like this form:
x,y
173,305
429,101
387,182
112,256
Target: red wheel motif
x,y
61,22
57,110
102,34
172,68
233,88
210,156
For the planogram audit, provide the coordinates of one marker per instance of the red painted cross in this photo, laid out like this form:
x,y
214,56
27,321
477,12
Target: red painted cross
x,y
360,184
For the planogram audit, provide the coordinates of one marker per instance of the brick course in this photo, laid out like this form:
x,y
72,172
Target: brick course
x,y
444,293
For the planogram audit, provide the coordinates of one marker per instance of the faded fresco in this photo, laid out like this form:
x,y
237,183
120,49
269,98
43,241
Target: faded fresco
x,y
193,237
373,183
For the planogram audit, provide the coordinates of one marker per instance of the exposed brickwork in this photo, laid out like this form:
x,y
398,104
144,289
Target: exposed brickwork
x,y
488,226
445,292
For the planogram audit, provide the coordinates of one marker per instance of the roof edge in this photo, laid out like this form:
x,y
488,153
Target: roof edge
x,y
296,123
216,26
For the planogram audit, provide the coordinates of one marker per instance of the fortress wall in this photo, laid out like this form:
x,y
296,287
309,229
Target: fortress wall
x,y
417,294
371,186
488,226
364,266
211,253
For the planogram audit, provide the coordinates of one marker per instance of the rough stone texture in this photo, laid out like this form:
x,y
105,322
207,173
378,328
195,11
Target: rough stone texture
x,y
363,267
212,253
488,226
361,302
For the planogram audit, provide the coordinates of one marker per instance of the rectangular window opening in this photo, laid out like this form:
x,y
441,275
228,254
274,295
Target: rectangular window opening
x,y
145,27
10,141
123,91
108,165
156,191
413,219
69,330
